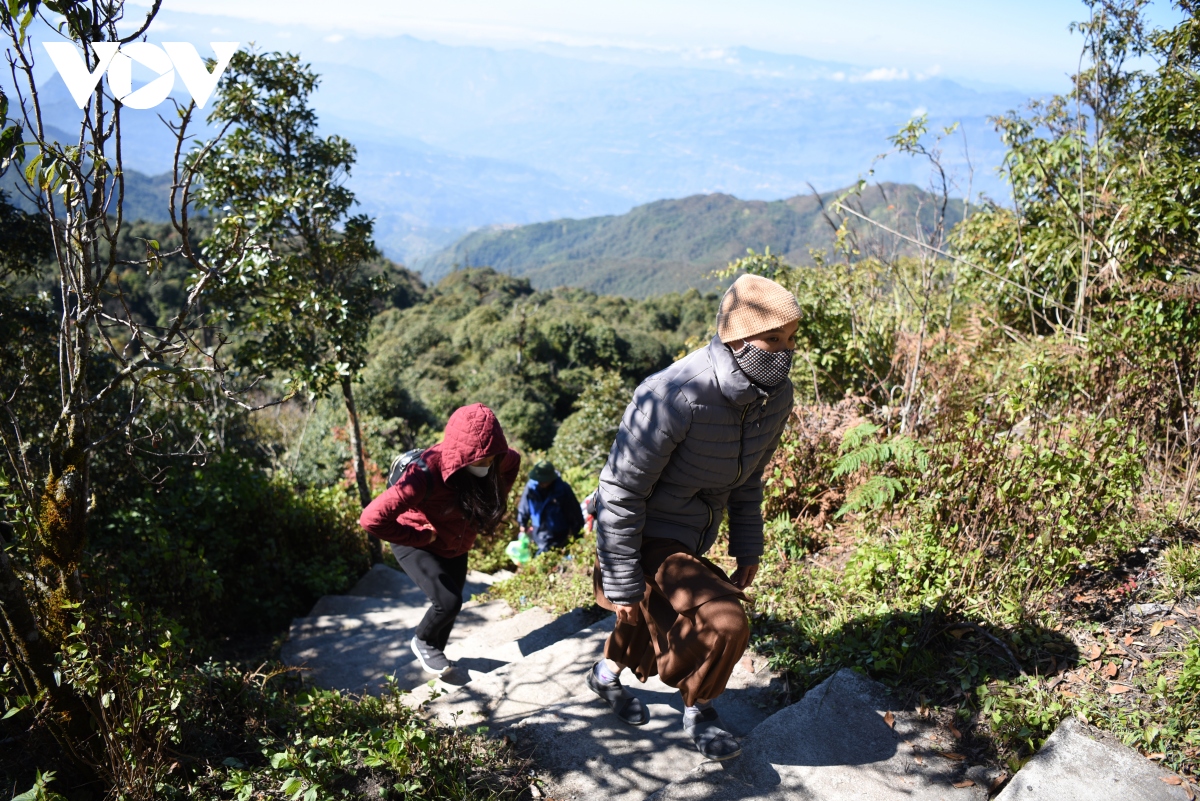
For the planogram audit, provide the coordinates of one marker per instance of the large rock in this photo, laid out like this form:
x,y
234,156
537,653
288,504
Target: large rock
x,y
835,744
1082,763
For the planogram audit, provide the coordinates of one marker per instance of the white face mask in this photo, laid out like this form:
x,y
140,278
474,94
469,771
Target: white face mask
x,y
479,471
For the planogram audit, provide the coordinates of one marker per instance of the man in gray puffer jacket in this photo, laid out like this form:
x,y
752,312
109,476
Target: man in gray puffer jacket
x,y
693,443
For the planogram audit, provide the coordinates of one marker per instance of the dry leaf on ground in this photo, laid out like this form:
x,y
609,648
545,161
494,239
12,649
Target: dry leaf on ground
x,y
1093,653
890,720
1109,671
1172,779
964,783
952,755
954,730
1156,629
1117,689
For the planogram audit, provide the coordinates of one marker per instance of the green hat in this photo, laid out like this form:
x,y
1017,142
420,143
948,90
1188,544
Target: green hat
x,y
543,471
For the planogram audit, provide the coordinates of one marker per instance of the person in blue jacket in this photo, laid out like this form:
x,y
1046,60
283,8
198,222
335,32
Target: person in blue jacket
x,y
548,510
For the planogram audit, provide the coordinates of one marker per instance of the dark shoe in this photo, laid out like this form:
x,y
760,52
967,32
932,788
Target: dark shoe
x,y
624,703
430,657
711,740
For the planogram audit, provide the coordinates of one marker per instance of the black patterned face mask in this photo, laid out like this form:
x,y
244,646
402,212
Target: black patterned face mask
x,y
763,367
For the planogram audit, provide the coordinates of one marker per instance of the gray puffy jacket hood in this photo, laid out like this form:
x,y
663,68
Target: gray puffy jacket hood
x,y
694,442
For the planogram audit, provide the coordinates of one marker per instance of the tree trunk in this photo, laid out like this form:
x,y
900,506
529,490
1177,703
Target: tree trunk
x,y
35,659
356,456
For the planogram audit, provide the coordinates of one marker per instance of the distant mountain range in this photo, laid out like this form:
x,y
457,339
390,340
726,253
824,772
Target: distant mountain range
x,y
146,196
453,138
671,245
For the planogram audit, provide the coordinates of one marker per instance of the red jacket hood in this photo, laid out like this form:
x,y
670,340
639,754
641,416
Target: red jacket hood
x,y
472,433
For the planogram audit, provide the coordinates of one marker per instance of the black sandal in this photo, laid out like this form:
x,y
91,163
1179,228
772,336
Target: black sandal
x,y
711,740
627,705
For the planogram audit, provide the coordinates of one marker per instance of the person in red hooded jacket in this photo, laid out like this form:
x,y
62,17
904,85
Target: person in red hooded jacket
x,y
434,512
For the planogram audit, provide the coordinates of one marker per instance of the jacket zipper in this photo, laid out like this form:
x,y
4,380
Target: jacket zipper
x,y
741,447
741,442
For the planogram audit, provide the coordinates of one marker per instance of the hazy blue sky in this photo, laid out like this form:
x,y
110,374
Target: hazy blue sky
x,y
1020,43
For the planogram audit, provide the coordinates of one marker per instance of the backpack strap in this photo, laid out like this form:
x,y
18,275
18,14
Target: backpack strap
x,y
424,468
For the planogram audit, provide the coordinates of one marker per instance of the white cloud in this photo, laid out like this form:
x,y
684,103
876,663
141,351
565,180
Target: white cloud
x,y
919,111
883,74
334,38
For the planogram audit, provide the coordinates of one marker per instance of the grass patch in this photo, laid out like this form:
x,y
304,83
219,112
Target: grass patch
x,y
558,580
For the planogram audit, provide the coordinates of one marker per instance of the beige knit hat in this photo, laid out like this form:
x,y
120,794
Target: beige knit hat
x,y
753,305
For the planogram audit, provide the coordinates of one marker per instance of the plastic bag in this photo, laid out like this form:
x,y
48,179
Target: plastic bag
x,y
520,550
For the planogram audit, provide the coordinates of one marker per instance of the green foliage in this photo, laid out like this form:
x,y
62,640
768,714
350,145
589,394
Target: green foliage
x,y
486,337
40,790
224,549
275,181
340,747
1024,711
995,525
558,580
854,318
24,241
261,733
860,451
1101,178
585,437
1180,571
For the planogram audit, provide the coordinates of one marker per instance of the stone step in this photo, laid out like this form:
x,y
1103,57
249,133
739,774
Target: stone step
x,y
354,643
1082,763
499,644
382,581
581,749
834,745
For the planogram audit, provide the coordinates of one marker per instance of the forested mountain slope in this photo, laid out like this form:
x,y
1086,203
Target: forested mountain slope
x,y
670,245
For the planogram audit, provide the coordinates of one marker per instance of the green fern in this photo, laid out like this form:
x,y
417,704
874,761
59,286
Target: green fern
x,y
859,449
878,492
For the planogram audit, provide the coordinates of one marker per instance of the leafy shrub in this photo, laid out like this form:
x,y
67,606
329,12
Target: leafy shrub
x,y
799,479
260,734
558,580
486,337
1024,711
1180,572
586,436
995,523
860,451
231,551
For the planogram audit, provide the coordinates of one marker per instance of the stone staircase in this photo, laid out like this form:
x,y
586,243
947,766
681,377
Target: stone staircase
x,y
521,676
